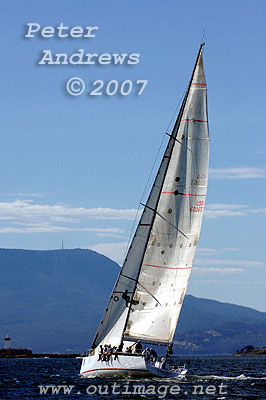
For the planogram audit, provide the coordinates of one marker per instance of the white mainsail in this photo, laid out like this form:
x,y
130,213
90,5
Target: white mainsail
x,y
159,261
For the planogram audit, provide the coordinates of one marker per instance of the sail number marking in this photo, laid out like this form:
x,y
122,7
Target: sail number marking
x,y
198,208
199,181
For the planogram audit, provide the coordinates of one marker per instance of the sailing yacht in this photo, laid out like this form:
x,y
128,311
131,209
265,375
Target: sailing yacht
x,y
145,303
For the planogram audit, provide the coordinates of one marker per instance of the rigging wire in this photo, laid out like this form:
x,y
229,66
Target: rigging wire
x,y
203,39
151,174
156,159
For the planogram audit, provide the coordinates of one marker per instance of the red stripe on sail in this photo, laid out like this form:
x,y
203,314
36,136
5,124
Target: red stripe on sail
x,y
190,194
120,292
159,266
197,83
193,120
186,194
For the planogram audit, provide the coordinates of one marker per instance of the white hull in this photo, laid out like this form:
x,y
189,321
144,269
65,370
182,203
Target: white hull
x,y
124,365
167,373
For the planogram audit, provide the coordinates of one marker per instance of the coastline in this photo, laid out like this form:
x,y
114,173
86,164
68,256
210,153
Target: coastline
x,y
250,351
26,353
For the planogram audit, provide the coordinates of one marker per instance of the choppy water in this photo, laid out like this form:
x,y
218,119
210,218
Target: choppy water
x,y
209,377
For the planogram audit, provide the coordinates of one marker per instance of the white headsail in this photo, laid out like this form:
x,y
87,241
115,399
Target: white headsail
x,y
159,261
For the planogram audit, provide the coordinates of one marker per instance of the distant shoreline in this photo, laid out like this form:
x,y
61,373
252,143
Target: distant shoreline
x,y
25,353
240,353
248,351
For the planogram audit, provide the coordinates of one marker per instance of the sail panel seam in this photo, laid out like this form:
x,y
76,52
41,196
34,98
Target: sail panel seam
x,y
159,266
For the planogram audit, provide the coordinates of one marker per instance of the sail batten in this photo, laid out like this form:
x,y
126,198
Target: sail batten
x,y
148,295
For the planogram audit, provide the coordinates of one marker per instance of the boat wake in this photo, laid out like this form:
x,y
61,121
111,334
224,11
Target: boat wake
x,y
241,377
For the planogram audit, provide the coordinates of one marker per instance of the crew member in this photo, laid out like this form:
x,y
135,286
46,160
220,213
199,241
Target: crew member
x,y
138,347
126,297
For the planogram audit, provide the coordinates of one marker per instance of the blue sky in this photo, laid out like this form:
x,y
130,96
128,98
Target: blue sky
x,y
74,168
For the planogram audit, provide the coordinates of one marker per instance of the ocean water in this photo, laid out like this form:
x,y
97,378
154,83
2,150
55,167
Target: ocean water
x,y
209,377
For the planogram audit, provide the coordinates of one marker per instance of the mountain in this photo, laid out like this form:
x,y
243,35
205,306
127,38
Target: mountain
x,y
53,301
212,327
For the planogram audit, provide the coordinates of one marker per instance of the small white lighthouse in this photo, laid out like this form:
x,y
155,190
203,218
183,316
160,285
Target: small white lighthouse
x,y
7,342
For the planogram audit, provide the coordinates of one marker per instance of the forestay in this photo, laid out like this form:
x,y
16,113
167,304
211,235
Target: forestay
x,y
159,260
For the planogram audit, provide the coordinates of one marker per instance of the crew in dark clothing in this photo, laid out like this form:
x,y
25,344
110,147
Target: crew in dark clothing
x,y
115,352
146,353
170,349
100,353
153,355
126,297
120,347
138,347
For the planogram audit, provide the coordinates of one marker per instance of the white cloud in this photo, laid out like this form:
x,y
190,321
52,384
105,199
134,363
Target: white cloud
x,y
42,228
26,209
112,235
231,282
230,249
223,271
23,194
237,173
27,216
222,206
258,211
30,216
115,251
205,251
217,210
239,263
